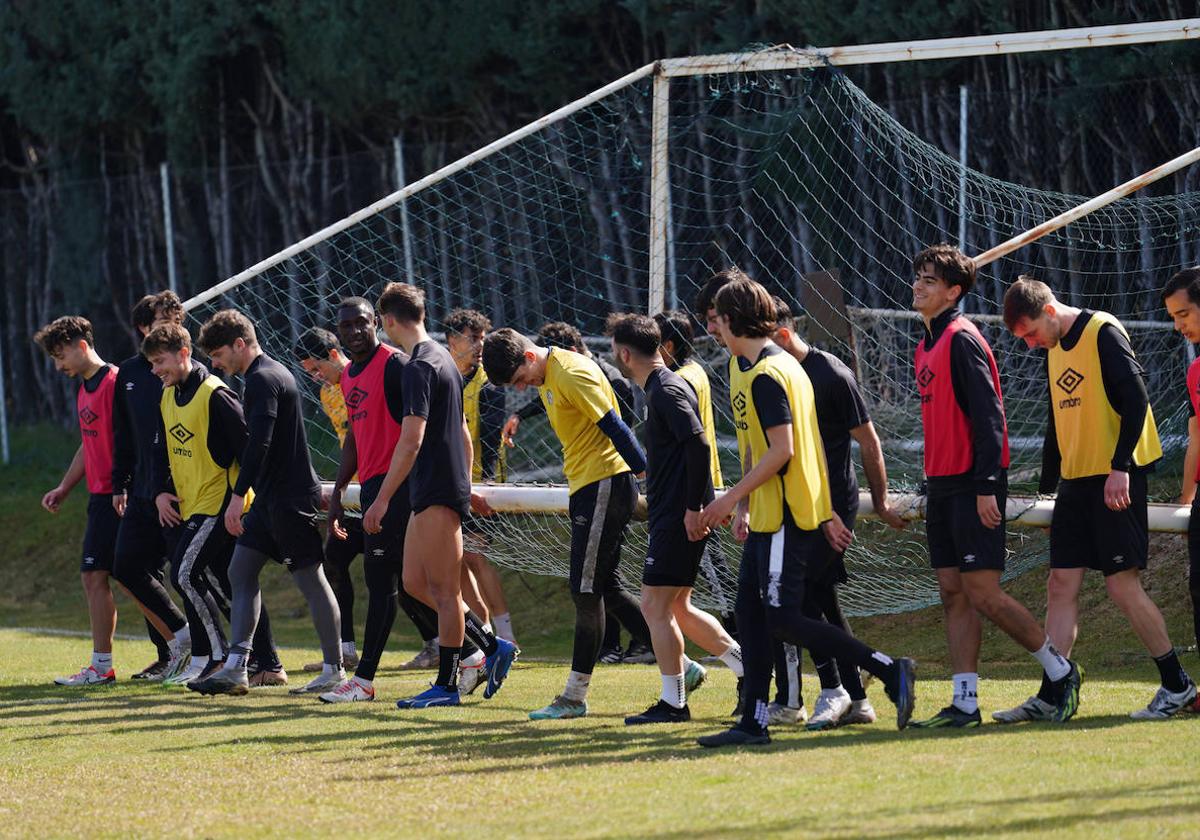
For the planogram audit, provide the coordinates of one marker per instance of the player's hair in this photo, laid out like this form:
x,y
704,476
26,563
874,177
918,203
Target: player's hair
x,y
503,354
707,296
355,301
315,343
168,338
950,264
783,314
63,332
142,314
168,307
749,308
224,328
1188,279
404,302
1025,298
561,335
462,320
639,332
675,326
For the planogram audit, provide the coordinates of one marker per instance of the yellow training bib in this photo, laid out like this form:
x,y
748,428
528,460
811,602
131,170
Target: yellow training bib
x,y
695,376
200,482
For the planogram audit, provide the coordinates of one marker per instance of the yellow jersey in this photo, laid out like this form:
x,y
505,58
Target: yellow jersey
x,y
803,484
695,376
1085,423
200,482
576,395
334,406
472,388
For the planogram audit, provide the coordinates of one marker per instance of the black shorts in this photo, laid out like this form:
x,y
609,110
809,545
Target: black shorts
x,y
777,563
1085,534
830,568
671,558
285,530
101,534
600,514
1193,538
141,541
388,544
957,539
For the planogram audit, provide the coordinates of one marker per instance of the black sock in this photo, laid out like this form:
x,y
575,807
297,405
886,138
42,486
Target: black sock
x,y
1174,678
827,672
468,649
484,640
1048,693
448,667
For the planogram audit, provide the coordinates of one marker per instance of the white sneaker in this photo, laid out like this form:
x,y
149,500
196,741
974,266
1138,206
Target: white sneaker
x,y
88,675
350,691
470,676
321,683
185,676
1035,708
781,715
1166,703
181,657
832,704
861,711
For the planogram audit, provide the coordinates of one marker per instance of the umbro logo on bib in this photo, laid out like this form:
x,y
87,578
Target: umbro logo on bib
x,y
1069,380
356,396
181,433
88,416
925,376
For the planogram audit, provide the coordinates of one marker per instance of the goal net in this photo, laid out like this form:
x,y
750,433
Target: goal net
x,y
794,175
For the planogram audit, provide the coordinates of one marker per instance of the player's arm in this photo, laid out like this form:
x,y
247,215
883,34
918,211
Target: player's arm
x,y
871,451
74,474
1126,392
124,453
262,401
971,377
583,391
226,440
779,452
478,503
347,467
1190,460
531,409
683,420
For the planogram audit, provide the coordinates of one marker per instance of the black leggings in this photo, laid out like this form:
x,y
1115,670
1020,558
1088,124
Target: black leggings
x,y
1194,565
339,554
139,558
821,604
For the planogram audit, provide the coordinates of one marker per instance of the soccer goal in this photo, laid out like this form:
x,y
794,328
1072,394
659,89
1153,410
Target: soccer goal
x,y
774,160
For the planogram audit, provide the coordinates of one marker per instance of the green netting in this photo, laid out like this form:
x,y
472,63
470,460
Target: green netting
x,y
785,174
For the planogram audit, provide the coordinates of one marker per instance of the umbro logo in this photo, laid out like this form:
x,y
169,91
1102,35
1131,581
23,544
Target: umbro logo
x,y
549,397
356,396
88,416
128,386
181,433
970,558
739,402
649,561
925,376
1069,380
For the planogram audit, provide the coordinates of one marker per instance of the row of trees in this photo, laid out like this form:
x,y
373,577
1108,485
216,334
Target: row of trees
x,y
278,118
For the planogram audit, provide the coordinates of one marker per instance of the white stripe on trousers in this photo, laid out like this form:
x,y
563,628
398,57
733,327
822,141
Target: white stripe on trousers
x,y
587,576
194,547
775,568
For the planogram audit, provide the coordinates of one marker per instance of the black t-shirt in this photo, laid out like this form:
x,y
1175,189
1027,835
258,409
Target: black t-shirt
x,y
139,452
840,408
770,399
275,462
433,390
672,424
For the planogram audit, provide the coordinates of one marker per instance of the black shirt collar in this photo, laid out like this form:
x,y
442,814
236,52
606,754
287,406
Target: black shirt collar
x,y
90,385
1071,337
934,331
771,349
186,389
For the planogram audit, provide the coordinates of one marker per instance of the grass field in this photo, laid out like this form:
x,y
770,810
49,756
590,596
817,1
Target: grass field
x,y
132,760
141,760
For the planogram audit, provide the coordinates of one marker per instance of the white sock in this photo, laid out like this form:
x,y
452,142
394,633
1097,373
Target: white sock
x,y
687,663
348,649
733,660
102,662
673,691
487,629
1053,663
503,624
475,658
327,669
364,683
966,692
183,638
235,661
199,663
577,686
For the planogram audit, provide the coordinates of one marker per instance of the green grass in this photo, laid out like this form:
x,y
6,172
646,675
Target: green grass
x,y
160,761
151,761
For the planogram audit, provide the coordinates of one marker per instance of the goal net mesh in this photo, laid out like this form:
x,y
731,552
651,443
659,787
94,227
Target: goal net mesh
x,y
794,176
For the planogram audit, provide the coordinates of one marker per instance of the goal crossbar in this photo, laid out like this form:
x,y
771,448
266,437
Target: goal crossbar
x,y
777,58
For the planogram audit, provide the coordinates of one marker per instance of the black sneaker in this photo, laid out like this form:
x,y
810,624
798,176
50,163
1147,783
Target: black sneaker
x,y
611,656
209,669
740,705
152,672
660,712
1068,699
734,737
904,692
638,654
950,717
